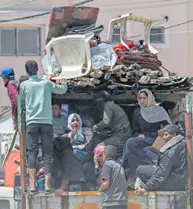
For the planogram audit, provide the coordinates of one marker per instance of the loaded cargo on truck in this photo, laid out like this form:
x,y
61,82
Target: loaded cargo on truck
x,y
75,52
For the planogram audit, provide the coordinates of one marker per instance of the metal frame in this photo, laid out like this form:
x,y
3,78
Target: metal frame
x,y
87,200
87,197
17,53
161,42
38,36
189,142
8,53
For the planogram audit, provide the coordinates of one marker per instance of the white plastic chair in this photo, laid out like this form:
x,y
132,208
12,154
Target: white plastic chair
x,y
122,22
73,55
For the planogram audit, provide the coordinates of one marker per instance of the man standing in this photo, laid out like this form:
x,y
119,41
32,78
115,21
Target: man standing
x,y
114,184
37,94
11,84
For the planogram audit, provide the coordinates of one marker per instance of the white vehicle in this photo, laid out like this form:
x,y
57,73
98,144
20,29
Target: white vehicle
x,y
6,198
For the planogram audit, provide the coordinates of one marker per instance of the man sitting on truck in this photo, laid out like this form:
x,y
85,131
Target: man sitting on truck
x,y
37,94
171,172
115,123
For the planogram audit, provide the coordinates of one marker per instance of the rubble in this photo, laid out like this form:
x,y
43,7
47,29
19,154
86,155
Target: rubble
x,y
133,68
130,66
131,73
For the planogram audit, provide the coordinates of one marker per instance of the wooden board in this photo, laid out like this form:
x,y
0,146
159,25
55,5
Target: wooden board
x,y
10,149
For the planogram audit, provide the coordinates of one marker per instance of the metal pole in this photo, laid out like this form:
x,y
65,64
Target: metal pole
x,y
189,143
23,170
23,159
189,140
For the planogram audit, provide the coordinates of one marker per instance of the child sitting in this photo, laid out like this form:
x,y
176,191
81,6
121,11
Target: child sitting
x,y
59,128
76,136
59,121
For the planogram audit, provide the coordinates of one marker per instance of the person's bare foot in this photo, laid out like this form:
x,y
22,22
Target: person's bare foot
x,y
47,182
32,179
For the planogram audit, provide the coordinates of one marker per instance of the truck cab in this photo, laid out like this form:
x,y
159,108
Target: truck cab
x,y
6,198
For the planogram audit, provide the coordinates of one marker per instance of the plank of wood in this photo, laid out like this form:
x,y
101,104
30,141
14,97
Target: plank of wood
x,y
10,149
81,79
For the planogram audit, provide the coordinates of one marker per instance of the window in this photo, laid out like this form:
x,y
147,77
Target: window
x,y
20,42
116,35
4,204
157,35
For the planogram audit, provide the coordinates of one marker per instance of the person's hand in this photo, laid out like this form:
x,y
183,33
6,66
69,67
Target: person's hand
x,y
96,161
59,81
94,129
74,131
160,133
140,191
15,126
80,147
65,136
141,136
50,77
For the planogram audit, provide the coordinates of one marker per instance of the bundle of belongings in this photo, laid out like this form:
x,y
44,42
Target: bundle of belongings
x,y
131,66
134,67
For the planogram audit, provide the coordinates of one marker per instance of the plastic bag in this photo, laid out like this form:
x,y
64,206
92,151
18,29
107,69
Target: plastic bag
x,y
103,55
45,64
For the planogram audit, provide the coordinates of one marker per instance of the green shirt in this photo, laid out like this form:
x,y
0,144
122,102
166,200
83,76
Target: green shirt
x,y
21,114
19,111
36,94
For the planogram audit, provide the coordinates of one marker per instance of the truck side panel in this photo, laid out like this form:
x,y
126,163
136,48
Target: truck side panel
x,y
11,169
92,200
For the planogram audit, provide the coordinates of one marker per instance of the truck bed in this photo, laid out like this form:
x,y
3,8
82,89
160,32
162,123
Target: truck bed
x,y
93,200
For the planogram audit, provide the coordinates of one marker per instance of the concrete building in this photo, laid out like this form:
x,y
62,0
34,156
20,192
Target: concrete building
x,y
24,39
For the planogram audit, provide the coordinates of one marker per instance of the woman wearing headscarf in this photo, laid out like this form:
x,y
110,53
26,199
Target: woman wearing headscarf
x,y
147,121
76,136
78,142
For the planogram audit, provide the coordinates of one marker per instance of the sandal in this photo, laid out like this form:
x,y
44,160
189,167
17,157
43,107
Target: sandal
x,y
33,191
48,191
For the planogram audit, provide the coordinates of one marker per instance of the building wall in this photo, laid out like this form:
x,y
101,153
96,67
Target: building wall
x,y
173,54
18,62
35,4
176,54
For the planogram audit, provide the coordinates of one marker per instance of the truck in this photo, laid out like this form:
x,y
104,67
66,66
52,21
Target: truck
x,y
6,198
72,34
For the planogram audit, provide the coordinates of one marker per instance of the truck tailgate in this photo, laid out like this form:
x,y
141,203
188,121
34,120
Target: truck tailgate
x,y
92,200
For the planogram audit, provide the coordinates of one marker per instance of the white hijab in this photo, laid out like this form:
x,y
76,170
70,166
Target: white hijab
x,y
153,113
80,131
